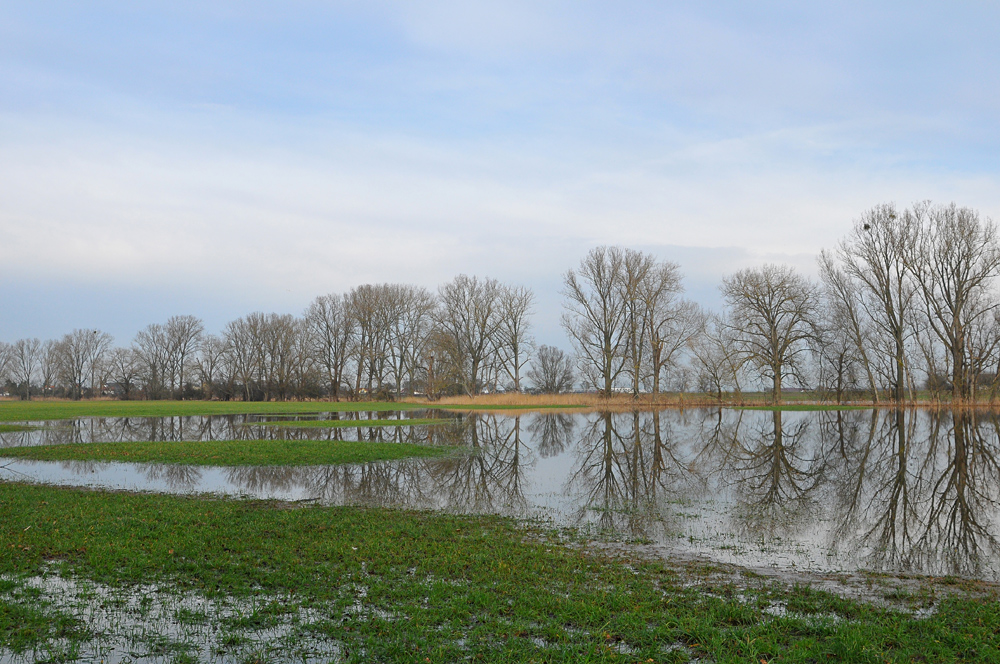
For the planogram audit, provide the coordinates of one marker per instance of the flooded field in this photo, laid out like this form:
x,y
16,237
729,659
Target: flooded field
x,y
892,491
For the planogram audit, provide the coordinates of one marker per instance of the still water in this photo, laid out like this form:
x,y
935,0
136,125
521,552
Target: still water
x,y
893,491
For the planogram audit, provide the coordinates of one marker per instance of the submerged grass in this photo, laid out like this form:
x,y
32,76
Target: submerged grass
x,y
230,452
394,586
337,424
804,407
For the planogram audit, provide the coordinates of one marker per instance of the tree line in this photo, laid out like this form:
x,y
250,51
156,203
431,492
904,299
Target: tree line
x,y
907,301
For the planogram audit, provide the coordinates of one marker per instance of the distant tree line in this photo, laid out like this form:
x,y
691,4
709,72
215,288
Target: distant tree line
x,y
377,341
907,301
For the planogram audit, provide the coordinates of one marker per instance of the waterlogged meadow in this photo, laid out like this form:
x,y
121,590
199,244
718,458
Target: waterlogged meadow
x,y
700,535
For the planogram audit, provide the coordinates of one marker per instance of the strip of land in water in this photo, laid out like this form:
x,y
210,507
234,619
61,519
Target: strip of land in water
x,y
395,586
49,410
353,423
231,452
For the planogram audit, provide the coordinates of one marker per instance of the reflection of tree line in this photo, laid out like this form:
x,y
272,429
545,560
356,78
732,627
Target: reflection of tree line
x,y
628,472
922,495
216,427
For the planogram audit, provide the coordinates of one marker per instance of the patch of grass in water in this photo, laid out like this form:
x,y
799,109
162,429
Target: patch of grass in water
x,y
231,452
14,428
337,424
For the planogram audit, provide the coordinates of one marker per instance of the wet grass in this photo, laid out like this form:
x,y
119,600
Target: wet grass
x,y
395,586
338,424
231,452
28,411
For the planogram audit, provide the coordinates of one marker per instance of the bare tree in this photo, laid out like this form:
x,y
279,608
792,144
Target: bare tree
x,y
596,315
847,324
369,306
211,360
773,319
5,353
25,360
184,335
48,365
467,322
125,366
244,353
641,283
153,354
716,358
513,342
551,371
410,332
955,261
673,326
873,256
80,355
331,328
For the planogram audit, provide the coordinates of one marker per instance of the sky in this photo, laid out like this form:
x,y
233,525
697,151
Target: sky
x,y
219,158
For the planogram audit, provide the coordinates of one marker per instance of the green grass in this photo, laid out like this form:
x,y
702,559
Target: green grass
x,y
22,411
35,411
337,424
230,452
403,586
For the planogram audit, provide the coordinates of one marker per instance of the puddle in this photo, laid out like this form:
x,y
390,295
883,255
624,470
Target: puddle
x,y
810,492
152,624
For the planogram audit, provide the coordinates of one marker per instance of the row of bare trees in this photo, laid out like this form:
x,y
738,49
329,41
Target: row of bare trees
x,y
627,320
383,340
907,300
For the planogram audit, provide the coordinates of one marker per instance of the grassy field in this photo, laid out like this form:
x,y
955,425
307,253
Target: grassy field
x,y
27,411
360,585
230,452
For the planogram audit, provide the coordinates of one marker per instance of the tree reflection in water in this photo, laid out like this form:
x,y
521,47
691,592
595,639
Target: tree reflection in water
x,y
490,479
919,492
775,470
629,474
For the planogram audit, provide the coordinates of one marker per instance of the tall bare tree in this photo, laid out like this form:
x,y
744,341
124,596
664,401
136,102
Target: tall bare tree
x,y
184,335
152,345
125,367
847,323
513,339
874,256
410,333
773,319
331,328
211,363
25,360
955,260
596,314
467,322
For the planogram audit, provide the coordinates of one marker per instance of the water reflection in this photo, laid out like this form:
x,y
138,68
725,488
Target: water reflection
x,y
221,427
889,490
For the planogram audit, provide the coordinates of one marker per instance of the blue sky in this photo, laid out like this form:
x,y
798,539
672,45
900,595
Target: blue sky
x,y
217,158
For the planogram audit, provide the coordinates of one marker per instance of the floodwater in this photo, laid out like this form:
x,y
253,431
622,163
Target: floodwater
x,y
887,491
